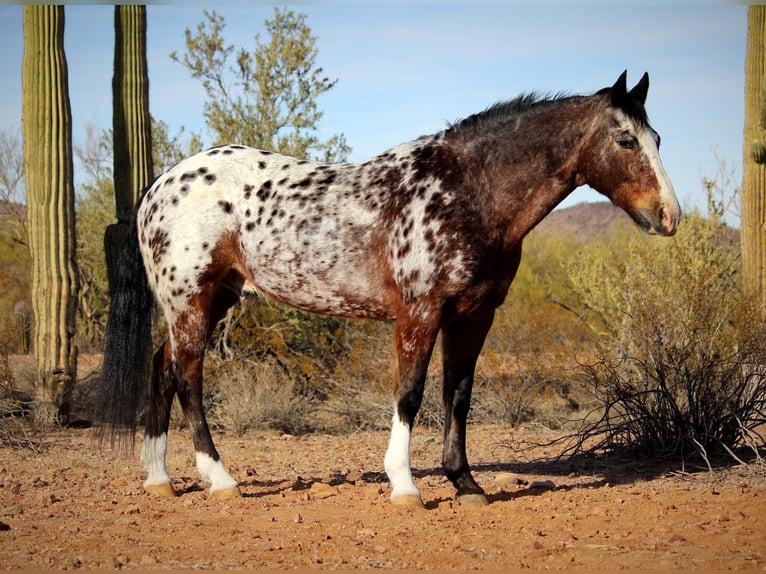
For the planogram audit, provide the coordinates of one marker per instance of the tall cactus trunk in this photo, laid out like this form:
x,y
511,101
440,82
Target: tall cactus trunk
x,y
131,125
47,131
754,160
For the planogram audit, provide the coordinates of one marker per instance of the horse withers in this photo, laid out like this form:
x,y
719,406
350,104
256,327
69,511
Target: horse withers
x,y
427,234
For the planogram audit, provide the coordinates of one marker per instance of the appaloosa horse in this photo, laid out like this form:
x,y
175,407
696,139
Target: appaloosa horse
x,y
427,234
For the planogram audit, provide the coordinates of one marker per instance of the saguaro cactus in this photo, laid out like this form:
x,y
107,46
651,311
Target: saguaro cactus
x,y
131,124
753,235
47,132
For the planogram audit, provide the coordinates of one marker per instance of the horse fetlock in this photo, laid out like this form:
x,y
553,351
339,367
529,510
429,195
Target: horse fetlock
x,y
212,470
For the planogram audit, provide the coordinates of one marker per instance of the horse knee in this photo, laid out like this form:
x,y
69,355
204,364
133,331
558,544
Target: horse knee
x,y
408,404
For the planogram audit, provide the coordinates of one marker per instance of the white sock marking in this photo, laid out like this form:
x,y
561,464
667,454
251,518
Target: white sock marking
x,y
213,471
397,461
153,451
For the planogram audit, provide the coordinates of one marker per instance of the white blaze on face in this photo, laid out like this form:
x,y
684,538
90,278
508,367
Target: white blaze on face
x,y
668,200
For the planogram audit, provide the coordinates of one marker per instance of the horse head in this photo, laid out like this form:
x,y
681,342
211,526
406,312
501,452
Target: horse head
x,y
622,160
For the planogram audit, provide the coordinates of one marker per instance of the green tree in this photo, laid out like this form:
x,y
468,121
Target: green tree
x,y
95,212
167,150
131,124
14,248
268,98
12,187
47,134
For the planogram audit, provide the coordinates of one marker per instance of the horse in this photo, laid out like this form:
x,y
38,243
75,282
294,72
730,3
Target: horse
x,y
427,234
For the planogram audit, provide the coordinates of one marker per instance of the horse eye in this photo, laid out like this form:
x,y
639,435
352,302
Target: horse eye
x,y
627,142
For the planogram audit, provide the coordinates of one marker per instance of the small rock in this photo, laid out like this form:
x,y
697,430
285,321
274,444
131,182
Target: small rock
x,y
4,527
354,476
134,509
148,559
13,510
543,485
507,479
320,491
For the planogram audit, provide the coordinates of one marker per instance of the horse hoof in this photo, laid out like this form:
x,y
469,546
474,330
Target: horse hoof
x,y
473,500
164,489
225,493
411,500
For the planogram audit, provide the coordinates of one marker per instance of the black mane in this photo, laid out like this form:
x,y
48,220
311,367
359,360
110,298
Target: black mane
x,y
529,101
503,110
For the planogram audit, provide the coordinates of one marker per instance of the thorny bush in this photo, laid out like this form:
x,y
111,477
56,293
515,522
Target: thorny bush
x,y
680,350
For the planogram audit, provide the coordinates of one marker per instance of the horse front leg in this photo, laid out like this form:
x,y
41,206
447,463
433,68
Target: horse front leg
x,y
461,344
414,337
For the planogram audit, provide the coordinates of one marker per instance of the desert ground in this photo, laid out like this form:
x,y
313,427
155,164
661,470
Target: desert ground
x,y
321,502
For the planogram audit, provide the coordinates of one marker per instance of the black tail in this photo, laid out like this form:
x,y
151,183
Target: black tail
x,y
127,350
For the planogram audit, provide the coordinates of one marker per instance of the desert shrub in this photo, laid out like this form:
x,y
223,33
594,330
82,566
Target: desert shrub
x,y
314,373
680,350
359,388
257,394
15,405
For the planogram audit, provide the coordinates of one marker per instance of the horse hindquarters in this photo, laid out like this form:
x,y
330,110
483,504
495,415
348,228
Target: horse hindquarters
x,y
178,369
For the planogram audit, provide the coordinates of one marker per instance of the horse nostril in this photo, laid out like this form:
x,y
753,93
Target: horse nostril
x,y
667,220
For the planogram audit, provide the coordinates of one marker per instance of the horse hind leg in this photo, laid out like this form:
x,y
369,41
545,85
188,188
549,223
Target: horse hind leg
x,y
154,446
191,334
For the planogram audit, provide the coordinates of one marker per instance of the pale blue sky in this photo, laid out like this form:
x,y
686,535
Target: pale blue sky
x,y
405,70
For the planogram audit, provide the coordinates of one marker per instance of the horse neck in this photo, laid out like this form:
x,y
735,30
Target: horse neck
x,y
531,163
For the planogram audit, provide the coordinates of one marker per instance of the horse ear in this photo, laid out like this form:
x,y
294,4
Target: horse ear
x,y
641,89
619,89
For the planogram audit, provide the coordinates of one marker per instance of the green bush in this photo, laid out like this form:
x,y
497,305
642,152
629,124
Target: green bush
x,y
680,351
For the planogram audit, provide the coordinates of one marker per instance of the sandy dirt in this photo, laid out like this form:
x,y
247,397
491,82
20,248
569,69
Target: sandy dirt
x,y
321,502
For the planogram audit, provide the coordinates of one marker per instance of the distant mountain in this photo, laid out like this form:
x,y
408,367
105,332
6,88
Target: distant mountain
x,y
584,221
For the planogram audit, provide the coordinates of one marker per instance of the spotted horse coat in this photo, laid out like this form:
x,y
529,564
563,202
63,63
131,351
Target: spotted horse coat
x,y
427,234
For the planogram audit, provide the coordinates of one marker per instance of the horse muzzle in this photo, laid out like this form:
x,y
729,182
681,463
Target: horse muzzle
x,y
664,223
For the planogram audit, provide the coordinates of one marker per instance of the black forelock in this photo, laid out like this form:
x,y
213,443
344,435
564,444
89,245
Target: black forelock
x,y
634,109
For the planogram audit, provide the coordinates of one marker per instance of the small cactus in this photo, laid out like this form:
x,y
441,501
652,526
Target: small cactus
x,y
23,328
758,149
